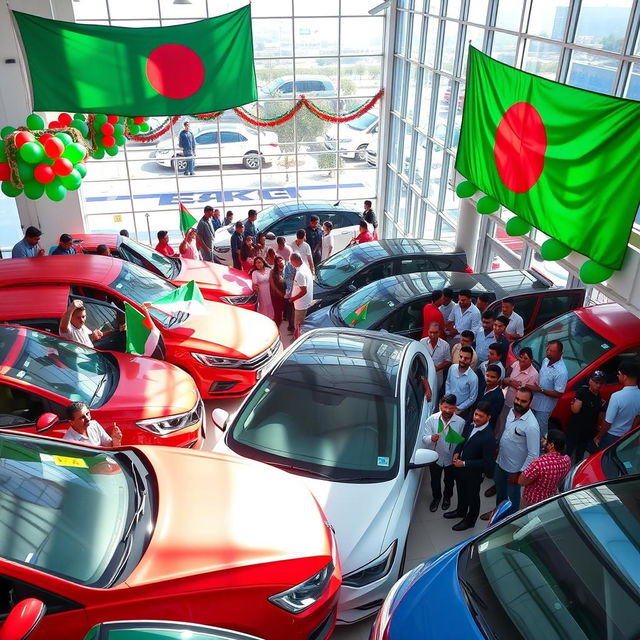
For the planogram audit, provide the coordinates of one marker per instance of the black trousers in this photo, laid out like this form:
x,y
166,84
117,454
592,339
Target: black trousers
x,y
436,480
468,489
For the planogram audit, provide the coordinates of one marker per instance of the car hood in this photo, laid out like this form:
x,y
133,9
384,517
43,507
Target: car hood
x,y
152,387
214,278
323,317
218,512
419,611
321,291
226,330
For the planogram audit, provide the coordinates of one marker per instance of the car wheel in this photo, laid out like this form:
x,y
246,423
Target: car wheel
x,y
252,161
361,152
180,165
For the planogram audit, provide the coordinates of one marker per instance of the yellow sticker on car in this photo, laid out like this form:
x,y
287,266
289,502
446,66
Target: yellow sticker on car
x,y
66,461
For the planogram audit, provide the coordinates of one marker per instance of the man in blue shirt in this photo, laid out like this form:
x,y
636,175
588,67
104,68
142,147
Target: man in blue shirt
x,y
28,247
65,246
250,225
187,143
314,239
237,238
552,381
206,234
217,223
462,382
465,316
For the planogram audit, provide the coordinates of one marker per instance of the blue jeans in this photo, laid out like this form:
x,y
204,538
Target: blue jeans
x,y
191,165
607,439
506,490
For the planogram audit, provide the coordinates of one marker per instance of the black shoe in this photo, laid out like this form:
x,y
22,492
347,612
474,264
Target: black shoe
x,y
434,505
452,514
446,503
491,491
463,525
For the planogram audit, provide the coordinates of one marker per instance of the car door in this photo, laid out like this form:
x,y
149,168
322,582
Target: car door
x,y
20,408
376,271
345,227
288,226
407,320
553,304
207,148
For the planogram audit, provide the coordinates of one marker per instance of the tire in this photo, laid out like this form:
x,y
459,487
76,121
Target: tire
x,y
180,164
361,152
252,161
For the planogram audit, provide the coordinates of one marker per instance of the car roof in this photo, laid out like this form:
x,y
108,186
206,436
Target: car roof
x,y
39,301
94,239
346,359
291,206
377,250
612,321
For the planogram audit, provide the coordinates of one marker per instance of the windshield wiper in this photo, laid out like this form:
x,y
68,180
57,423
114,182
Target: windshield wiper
x,y
291,467
474,600
141,498
98,389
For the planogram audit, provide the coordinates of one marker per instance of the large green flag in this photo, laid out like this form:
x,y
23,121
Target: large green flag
x,y
185,69
565,160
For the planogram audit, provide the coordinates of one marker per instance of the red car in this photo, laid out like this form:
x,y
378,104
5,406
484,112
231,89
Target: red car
x,y
217,282
224,350
593,338
152,402
162,533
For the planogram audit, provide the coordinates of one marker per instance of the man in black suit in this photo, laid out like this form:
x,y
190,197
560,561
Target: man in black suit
x,y
471,459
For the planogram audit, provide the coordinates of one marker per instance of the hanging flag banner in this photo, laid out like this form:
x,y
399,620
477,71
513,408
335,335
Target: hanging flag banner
x,y
565,160
198,67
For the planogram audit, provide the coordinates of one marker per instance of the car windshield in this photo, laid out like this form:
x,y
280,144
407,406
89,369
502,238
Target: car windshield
x,y
64,508
139,285
337,269
627,453
265,219
149,258
582,345
368,306
361,123
568,569
58,366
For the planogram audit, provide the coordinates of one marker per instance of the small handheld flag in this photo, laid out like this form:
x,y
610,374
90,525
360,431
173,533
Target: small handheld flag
x,y
187,298
358,315
187,221
142,335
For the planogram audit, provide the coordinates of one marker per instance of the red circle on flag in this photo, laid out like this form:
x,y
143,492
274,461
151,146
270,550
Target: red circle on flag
x,y
520,147
175,71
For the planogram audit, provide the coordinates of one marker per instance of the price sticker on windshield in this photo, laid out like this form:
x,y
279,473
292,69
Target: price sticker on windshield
x,y
383,461
67,461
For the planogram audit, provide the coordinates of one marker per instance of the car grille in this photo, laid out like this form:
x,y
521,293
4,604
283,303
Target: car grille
x,y
322,631
263,359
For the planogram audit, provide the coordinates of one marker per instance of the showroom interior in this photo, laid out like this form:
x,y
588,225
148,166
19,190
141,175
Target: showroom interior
x,y
406,61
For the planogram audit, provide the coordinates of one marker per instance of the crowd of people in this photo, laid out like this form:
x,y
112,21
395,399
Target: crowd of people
x,y
494,421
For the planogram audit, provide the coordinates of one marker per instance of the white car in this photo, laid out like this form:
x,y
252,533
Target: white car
x,y
238,145
343,409
285,218
355,136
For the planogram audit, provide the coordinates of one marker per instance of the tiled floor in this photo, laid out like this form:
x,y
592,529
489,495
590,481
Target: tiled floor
x,y
429,532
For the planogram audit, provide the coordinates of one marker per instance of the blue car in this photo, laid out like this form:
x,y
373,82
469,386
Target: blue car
x,y
567,568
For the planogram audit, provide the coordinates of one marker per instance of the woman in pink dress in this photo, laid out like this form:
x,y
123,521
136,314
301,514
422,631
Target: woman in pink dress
x,y
261,278
247,254
188,248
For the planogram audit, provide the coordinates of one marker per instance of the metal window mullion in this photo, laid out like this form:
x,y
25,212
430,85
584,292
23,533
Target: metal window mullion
x,y
568,37
295,97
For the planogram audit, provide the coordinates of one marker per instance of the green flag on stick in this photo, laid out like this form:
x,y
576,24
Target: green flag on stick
x,y
453,437
187,221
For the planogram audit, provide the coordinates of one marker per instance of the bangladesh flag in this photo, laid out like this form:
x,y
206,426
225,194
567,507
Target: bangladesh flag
x,y
358,315
187,221
563,159
142,335
185,69
187,298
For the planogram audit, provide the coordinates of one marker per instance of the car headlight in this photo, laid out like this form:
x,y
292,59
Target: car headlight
x,y
303,595
218,361
221,249
373,571
240,299
165,426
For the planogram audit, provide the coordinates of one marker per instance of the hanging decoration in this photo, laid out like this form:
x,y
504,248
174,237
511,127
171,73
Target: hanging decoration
x,y
153,134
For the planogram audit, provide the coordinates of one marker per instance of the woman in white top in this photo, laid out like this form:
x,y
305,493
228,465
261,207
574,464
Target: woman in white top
x,y
188,248
327,239
260,276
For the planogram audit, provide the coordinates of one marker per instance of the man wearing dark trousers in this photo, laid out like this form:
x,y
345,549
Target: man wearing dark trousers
x,y
471,459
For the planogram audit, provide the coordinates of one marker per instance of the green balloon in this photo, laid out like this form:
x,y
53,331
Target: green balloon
x,y
81,169
464,190
74,152
79,116
72,181
100,119
551,249
10,190
120,140
592,273
65,137
55,191
134,129
80,126
517,227
112,151
33,190
25,170
3,151
118,129
98,154
487,204
34,121
144,127
32,152
5,131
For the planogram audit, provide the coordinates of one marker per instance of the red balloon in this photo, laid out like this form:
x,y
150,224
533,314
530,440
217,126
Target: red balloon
x,y
65,119
5,171
62,167
138,120
113,119
108,141
23,137
54,124
44,137
107,129
53,147
43,173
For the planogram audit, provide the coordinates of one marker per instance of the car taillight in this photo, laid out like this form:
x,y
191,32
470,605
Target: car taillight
x,y
468,269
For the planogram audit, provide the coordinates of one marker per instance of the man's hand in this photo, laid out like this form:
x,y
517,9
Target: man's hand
x,y
40,252
533,386
458,463
116,435
435,437
97,335
76,304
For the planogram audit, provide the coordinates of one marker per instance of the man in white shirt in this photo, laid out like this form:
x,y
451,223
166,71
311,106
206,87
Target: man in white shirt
x,y
440,353
303,249
465,316
302,292
73,325
441,433
516,323
84,430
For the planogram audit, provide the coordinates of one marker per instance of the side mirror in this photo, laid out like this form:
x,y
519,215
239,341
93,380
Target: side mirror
x,y
500,512
46,421
270,235
220,418
352,288
422,458
22,619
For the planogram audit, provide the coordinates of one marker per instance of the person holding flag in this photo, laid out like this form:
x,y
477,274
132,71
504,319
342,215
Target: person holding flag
x,y
142,335
188,247
442,434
